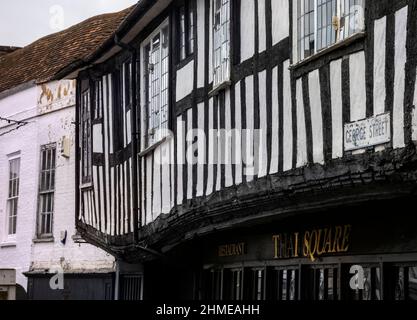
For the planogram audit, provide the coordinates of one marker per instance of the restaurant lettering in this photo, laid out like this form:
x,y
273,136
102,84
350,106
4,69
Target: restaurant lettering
x,y
231,250
312,244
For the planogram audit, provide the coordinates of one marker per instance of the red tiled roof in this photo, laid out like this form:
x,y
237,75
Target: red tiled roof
x,y
43,59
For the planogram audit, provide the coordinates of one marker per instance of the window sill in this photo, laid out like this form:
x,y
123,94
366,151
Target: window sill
x,y
44,240
8,244
219,87
337,45
148,150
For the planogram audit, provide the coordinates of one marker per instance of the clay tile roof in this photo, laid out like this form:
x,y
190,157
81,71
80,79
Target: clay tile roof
x,y
42,59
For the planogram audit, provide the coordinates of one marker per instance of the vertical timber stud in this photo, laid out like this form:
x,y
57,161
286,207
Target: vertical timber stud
x,y
134,134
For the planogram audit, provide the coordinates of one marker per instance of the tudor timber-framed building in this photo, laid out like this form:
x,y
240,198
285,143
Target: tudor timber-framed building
x,y
324,92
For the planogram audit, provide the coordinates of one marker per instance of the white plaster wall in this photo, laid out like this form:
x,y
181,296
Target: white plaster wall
x,y
414,114
357,86
247,28
18,255
280,20
185,81
48,122
399,78
337,108
379,65
288,120
302,159
262,26
316,116
201,50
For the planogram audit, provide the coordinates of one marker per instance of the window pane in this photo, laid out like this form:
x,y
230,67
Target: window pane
x,y
191,27
284,285
157,85
399,284
85,134
292,285
182,32
13,195
412,283
221,41
47,186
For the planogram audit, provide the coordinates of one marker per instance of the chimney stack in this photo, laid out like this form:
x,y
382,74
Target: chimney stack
x,y
6,50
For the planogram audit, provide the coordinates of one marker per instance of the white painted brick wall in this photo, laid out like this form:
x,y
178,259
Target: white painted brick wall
x,y
50,112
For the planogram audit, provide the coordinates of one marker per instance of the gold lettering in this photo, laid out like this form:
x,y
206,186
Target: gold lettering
x,y
337,237
290,248
327,248
314,243
314,251
319,241
346,238
242,249
296,245
276,245
305,244
230,250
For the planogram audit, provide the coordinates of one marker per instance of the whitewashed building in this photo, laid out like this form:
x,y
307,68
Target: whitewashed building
x,y
38,239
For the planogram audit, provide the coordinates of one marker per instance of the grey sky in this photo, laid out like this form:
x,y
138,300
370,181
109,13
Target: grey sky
x,y
24,21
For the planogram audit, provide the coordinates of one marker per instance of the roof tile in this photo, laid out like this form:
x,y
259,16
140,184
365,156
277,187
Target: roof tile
x,y
44,58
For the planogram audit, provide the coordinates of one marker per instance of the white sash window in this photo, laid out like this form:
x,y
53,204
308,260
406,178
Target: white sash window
x,y
13,195
46,190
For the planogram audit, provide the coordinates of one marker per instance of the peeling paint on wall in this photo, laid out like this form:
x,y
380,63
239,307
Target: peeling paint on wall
x,y
56,95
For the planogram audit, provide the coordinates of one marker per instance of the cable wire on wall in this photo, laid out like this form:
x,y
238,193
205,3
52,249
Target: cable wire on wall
x,y
11,121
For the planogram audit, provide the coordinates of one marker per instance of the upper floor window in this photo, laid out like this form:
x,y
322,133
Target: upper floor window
x,y
155,51
98,99
46,190
13,195
221,41
186,27
85,135
321,23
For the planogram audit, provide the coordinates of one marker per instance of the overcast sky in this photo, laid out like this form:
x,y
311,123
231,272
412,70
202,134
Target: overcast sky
x,y
24,21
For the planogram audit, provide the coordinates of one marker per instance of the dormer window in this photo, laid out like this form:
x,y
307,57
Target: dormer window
x,y
322,23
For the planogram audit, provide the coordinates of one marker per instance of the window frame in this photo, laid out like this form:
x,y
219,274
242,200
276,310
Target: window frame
x,y
98,104
50,191
86,137
340,35
258,286
186,30
12,236
219,82
144,85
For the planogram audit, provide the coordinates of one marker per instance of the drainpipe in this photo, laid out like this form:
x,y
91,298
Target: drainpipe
x,y
136,179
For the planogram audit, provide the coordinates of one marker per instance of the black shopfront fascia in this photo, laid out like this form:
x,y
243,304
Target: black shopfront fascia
x,y
245,264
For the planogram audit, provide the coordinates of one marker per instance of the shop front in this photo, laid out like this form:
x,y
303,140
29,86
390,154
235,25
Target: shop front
x,y
358,252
